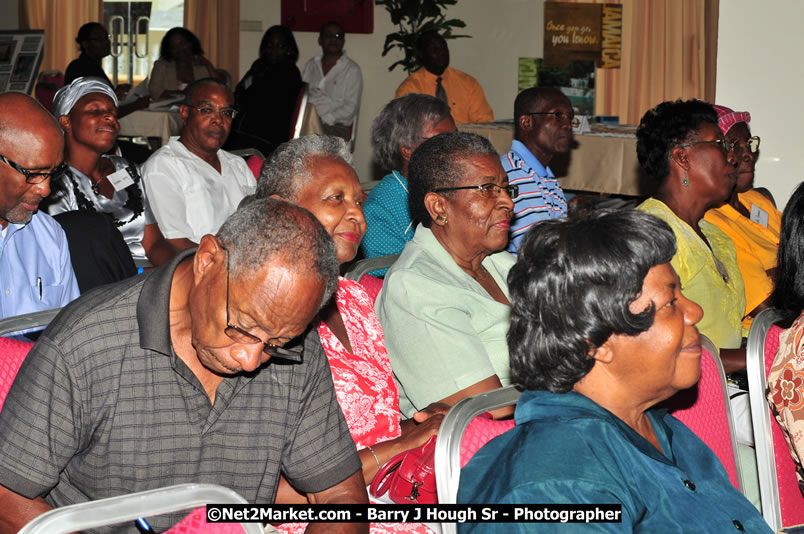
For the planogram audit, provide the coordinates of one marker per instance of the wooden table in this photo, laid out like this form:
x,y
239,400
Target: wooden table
x,y
603,161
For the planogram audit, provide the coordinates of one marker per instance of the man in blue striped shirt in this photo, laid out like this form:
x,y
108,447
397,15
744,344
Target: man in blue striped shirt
x,y
543,120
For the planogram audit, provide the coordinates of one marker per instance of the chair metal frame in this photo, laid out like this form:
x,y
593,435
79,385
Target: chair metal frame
x,y
761,417
450,434
115,510
27,321
301,112
362,267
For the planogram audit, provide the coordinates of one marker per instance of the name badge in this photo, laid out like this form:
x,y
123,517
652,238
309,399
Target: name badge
x,y
759,216
121,179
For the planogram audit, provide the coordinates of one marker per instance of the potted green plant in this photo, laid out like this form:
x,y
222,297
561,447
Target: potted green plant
x,y
414,17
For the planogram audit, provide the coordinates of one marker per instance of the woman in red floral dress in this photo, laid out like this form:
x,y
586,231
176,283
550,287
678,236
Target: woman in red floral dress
x,y
315,173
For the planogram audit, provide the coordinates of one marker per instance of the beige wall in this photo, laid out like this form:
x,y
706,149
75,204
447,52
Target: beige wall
x,y
490,56
9,15
758,70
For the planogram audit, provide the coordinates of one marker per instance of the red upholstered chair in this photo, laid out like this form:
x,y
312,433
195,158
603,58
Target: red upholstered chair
x,y
12,353
255,165
480,431
372,285
462,433
125,509
49,83
782,503
706,410
196,522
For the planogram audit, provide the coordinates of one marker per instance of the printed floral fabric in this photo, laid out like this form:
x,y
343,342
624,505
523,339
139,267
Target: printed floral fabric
x,y
364,383
786,391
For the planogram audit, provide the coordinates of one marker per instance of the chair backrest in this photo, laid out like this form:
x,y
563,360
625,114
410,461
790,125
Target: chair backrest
x,y
12,353
705,409
353,131
460,425
49,82
299,113
782,503
359,268
27,321
128,508
372,285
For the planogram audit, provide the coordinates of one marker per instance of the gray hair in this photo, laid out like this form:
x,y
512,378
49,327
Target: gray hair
x,y
268,228
400,124
286,173
437,163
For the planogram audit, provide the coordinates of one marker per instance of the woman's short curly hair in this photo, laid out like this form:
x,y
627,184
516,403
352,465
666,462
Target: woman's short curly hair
x,y
571,289
401,122
437,163
666,126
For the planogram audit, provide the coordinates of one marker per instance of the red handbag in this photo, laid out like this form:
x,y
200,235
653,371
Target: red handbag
x,y
409,477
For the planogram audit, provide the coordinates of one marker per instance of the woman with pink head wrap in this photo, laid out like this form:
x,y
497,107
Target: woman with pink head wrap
x,y
750,217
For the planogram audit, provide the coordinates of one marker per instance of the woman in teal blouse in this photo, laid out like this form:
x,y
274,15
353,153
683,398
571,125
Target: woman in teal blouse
x,y
400,127
600,334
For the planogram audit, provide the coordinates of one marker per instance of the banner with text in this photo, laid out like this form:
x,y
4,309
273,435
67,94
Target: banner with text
x,y
582,32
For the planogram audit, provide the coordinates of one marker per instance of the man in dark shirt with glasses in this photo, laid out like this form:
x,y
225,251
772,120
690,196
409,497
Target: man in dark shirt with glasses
x,y
202,370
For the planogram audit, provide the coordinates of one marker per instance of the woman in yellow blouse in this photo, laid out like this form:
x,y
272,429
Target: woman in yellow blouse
x,y
680,144
749,218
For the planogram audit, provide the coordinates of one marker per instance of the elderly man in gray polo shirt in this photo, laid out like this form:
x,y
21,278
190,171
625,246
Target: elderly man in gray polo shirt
x,y
202,370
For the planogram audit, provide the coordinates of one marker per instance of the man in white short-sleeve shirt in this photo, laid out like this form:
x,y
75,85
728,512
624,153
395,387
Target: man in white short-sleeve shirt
x,y
335,82
193,185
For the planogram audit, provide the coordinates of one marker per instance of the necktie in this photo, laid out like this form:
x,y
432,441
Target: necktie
x,y
440,94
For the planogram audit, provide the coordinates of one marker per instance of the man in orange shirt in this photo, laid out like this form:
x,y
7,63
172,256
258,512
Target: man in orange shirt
x,y
462,92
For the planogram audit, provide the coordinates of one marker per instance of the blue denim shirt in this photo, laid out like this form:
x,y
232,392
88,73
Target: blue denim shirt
x,y
566,449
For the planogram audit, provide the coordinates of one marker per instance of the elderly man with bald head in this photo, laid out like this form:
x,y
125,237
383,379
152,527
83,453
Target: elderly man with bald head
x,y
543,121
191,184
35,269
201,370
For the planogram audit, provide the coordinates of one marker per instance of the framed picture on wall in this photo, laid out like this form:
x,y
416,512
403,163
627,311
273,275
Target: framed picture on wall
x,y
20,59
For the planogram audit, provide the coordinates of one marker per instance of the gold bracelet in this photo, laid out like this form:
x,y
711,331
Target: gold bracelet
x,y
375,457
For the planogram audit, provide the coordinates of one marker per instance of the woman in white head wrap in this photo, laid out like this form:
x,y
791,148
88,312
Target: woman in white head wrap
x,y
87,112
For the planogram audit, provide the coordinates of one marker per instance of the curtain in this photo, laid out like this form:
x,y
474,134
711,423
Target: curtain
x,y
669,51
217,25
60,19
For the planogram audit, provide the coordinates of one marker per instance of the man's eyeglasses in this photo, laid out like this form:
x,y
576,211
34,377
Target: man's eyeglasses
x,y
225,113
563,118
35,177
238,335
488,190
725,146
